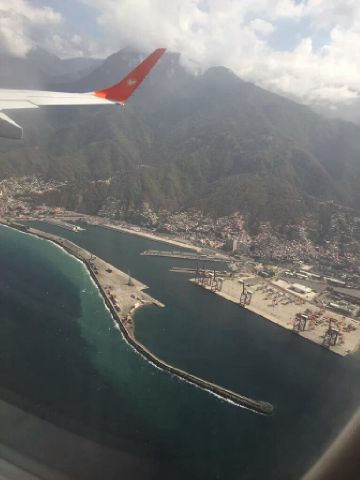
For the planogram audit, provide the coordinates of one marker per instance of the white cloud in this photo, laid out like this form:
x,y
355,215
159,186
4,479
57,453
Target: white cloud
x,y
327,13
331,73
24,26
21,24
262,27
236,33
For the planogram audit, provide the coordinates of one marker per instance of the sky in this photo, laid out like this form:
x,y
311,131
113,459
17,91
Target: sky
x,y
306,49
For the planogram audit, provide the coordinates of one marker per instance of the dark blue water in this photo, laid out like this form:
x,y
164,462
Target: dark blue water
x,y
63,360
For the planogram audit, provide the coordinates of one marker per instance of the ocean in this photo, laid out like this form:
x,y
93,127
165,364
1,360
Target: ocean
x,y
77,399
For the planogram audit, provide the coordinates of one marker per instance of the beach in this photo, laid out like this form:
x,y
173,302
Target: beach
x,y
151,236
132,230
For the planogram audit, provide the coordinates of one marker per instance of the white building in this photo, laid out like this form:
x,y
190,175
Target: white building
x,y
298,288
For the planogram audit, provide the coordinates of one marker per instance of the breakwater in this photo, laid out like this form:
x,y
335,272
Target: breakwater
x,y
257,406
124,317
186,256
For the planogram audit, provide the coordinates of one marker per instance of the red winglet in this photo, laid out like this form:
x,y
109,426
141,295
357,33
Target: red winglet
x,y
122,90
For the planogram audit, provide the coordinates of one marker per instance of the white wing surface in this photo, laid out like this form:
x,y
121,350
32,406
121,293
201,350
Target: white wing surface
x,y
117,94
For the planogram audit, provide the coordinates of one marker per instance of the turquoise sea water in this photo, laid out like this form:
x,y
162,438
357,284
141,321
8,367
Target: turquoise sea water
x,y
63,360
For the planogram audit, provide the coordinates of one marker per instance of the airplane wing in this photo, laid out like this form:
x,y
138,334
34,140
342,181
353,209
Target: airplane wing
x,y
116,94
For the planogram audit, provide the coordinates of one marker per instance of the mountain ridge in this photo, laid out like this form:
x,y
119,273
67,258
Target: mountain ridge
x,y
210,141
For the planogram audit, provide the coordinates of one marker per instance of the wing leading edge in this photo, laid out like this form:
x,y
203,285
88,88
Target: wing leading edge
x,y
116,94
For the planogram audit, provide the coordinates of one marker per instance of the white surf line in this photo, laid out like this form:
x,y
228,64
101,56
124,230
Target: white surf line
x,y
164,370
174,375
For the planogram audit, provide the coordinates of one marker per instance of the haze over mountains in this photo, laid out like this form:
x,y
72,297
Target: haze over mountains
x,y
209,141
40,68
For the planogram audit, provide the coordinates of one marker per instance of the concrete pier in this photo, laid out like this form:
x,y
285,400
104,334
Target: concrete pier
x,y
62,224
186,256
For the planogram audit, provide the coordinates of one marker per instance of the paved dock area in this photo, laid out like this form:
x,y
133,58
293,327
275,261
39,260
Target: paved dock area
x,y
281,307
125,293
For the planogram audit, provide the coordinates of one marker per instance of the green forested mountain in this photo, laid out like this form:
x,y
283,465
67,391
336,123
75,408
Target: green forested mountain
x,y
209,141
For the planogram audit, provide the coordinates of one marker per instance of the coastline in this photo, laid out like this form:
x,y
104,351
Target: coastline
x,y
125,319
101,222
138,231
151,236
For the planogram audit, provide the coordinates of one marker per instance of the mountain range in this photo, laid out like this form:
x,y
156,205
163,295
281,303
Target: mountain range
x,y
208,141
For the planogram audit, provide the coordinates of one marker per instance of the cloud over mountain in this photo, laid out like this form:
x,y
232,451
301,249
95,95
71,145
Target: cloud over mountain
x,y
239,34
307,49
24,26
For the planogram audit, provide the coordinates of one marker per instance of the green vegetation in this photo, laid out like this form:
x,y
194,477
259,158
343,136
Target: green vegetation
x,y
210,141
